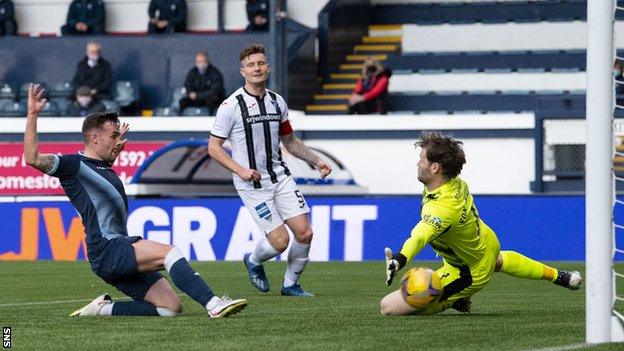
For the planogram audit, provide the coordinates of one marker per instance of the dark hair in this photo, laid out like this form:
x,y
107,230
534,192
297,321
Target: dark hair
x,y
83,91
254,48
96,121
444,150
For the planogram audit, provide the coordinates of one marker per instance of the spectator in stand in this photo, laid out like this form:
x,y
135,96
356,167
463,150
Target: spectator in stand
x,y
84,17
618,76
94,72
371,89
8,26
204,85
167,16
84,104
258,15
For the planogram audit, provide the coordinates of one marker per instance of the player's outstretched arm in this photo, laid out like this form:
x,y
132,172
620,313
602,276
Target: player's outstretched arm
x,y
216,151
36,102
298,149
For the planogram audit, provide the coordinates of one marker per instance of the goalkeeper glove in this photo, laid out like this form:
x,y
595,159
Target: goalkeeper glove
x,y
394,262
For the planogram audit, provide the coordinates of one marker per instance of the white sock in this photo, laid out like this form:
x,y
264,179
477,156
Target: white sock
x,y
297,260
263,252
172,257
107,310
212,303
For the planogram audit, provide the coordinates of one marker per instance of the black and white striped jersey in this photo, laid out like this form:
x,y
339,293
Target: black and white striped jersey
x,y
253,125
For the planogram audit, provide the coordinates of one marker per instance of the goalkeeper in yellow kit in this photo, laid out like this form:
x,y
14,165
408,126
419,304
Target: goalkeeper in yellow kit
x,y
450,223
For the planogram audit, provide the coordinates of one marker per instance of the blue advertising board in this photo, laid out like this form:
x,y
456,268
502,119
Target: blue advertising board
x,y
345,228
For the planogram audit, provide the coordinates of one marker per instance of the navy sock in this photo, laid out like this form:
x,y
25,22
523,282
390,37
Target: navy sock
x,y
134,308
189,281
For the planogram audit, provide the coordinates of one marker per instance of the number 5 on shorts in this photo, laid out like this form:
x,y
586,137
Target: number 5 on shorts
x,y
301,200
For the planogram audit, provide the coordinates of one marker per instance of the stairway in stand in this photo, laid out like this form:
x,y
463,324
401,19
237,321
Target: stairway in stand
x,y
333,99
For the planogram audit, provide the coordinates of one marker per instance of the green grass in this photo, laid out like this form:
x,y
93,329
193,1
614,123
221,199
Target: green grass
x,y
509,314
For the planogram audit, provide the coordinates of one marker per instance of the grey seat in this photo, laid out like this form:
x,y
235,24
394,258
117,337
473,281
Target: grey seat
x,y
111,105
165,112
15,109
126,93
23,92
60,90
175,95
50,109
7,92
196,111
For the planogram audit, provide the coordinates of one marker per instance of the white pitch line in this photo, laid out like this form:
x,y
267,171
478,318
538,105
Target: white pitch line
x,y
562,348
17,304
42,303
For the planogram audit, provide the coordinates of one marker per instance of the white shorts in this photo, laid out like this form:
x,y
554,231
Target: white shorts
x,y
270,207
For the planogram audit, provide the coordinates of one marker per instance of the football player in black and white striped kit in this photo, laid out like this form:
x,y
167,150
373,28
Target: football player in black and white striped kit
x,y
255,120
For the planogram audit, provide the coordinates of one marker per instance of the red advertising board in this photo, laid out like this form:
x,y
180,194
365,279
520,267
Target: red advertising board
x,y
17,178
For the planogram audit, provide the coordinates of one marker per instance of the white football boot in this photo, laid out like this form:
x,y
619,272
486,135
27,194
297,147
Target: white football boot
x,y
224,306
94,307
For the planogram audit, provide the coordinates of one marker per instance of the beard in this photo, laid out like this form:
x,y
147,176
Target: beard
x,y
423,176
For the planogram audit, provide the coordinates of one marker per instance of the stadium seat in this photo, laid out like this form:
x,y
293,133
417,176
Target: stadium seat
x,y
23,92
7,92
175,95
16,109
50,109
61,104
4,102
196,111
165,112
60,90
111,105
126,93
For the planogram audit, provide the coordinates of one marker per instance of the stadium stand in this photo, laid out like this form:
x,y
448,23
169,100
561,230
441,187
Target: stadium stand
x,y
143,79
534,56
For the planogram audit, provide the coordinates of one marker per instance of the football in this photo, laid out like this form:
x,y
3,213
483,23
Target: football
x,y
420,286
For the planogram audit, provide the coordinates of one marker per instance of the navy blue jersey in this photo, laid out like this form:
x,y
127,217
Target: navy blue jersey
x,y
98,196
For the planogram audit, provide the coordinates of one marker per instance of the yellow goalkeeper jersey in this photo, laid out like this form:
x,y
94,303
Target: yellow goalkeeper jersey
x,y
450,224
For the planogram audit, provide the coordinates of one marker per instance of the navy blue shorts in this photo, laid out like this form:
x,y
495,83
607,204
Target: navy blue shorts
x,y
118,267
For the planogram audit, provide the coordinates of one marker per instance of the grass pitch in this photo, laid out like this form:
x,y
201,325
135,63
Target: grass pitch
x,y
509,314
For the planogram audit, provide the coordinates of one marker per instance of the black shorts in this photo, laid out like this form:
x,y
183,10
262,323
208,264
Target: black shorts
x,y
118,267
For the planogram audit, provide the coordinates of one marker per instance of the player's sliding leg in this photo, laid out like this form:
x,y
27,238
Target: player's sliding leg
x,y
104,306
297,255
151,256
518,265
152,294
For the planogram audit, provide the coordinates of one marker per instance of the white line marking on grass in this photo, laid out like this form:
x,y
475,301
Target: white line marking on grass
x,y
42,303
39,303
562,348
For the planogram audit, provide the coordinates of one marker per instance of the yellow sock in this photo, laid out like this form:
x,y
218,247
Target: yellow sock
x,y
520,266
